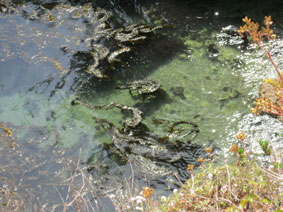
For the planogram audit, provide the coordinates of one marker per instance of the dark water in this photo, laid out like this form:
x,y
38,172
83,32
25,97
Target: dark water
x,y
197,58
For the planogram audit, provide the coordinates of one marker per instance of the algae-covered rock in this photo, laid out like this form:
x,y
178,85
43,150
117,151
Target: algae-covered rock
x,y
193,43
136,114
183,56
230,94
145,146
178,91
145,86
226,54
81,29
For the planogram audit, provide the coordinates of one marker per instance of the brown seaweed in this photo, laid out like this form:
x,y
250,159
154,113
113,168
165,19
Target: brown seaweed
x,y
145,86
128,142
132,122
123,38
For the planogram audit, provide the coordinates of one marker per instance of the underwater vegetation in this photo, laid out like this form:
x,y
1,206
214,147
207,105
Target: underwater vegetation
x,y
123,36
142,87
136,142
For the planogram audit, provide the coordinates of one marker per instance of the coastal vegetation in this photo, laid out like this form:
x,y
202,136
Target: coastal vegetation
x,y
243,185
271,90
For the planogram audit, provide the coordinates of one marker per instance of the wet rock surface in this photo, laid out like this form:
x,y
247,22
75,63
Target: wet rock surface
x,y
263,128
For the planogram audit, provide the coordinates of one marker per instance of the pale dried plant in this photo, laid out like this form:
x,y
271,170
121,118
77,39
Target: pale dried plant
x,y
81,193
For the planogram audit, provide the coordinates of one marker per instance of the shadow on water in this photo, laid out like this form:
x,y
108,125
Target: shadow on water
x,y
148,53
153,103
145,57
130,67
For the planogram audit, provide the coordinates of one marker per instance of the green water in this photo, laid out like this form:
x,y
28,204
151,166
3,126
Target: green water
x,y
204,80
214,98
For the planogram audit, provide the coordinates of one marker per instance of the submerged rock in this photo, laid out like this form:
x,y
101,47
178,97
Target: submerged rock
x,y
156,156
120,41
230,94
145,86
76,29
178,91
113,56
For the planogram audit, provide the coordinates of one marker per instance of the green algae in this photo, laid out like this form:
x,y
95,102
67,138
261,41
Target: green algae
x,y
227,54
193,43
213,94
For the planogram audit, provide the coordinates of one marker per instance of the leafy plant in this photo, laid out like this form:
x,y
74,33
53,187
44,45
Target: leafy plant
x,y
269,106
235,187
239,186
252,29
265,147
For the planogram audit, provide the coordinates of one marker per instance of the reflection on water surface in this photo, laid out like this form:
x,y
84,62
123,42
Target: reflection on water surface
x,y
205,73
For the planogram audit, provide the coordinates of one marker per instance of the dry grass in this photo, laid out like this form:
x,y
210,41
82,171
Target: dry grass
x,y
81,194
240,186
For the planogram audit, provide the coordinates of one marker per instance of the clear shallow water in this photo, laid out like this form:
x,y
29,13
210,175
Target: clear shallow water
x,y
207,78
